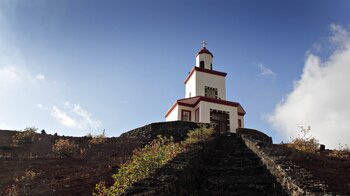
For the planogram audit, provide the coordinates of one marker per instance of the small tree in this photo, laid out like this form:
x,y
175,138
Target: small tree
x,y
64,148
305,142
24,137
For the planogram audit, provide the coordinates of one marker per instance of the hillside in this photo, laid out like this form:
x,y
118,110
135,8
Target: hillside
x,y
35,168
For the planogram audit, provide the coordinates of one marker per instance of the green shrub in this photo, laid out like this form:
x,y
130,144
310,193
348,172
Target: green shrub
x,y
199,135
144,161
24,137
304,142
64,148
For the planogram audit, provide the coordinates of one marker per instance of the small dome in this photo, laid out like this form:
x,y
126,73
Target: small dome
x,y
204,50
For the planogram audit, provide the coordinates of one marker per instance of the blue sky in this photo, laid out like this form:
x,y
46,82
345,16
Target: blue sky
x,y
76,67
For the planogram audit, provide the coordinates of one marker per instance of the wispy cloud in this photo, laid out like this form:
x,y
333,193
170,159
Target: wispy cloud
x,y
40,77
9,74
265,71
63,118
74,116
320,98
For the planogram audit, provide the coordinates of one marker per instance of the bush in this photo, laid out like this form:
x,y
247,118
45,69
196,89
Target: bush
x,y
343,152
24,137
146,160
199,135
98,139
305,143
64,148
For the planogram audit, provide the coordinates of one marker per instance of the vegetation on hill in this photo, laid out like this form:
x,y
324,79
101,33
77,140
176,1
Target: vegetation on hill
x,y
98,139
64,148
146,160
330,166
25,136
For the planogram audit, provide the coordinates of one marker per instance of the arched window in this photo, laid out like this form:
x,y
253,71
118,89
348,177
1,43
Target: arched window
x,y
201,64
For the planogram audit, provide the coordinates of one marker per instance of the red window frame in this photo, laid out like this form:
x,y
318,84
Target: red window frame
x,y
182,114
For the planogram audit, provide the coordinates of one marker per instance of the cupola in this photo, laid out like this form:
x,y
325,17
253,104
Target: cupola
x,y
204,58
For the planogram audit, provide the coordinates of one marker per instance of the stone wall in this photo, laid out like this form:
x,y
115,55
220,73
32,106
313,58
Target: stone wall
x,y
295,180
177,129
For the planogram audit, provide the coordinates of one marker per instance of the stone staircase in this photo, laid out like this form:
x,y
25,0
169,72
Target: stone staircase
x,y
233,169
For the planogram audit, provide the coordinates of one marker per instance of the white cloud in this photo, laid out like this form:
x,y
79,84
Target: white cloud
x,y
86,118
40,77
40,106
75,117
266,72
63,118
9,74
320,99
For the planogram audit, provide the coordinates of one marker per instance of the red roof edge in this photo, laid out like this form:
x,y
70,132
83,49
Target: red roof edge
x,y
207,99
218,73
204,50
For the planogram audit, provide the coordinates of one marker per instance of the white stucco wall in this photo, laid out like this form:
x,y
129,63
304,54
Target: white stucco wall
x,y
204,113
207,58
173,115
190,86
206,79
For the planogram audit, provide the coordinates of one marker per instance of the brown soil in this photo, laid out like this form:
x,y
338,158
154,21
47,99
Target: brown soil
x,y
33,169
330,166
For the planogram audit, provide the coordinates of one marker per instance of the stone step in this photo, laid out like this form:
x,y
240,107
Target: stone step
x,y
235,154
236,193
232,170
237,187
238,162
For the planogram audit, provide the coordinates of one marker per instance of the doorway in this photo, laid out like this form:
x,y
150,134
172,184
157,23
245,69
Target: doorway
x,y
220,120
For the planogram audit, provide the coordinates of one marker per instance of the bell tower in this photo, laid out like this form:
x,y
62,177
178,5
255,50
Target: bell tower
x,y
205,97
204,58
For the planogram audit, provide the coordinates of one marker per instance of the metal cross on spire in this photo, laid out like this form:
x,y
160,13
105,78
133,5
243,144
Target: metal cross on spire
x,y
204,43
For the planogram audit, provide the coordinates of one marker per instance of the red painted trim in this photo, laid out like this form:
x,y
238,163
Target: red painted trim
x,y
218,101
182,114
218,73
204,50
201,98
206,99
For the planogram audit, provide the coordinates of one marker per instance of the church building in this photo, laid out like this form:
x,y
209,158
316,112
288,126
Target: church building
x,y
205,98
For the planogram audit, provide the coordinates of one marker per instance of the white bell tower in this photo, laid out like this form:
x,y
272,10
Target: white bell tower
x,y
204,58
205,97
